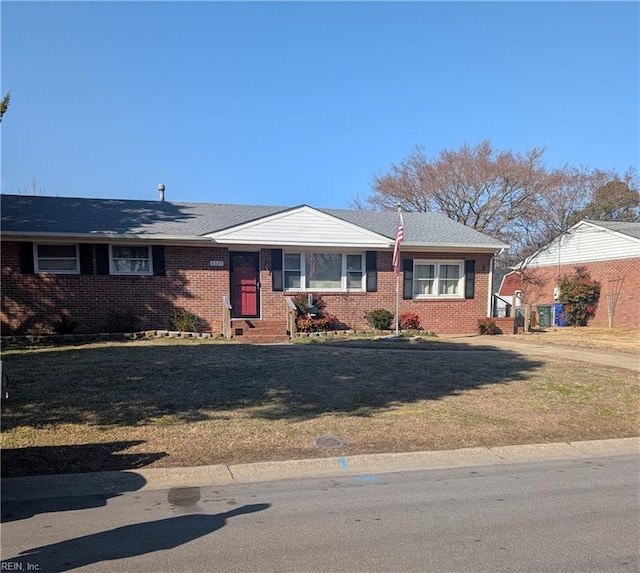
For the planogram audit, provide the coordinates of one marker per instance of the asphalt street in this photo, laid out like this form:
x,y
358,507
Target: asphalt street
x,y
577,514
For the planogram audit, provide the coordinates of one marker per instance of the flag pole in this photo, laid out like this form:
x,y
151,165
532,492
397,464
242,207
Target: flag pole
x,y
396,264
397,304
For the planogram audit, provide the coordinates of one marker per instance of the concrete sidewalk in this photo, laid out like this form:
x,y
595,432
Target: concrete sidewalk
x,y
114,483
529,348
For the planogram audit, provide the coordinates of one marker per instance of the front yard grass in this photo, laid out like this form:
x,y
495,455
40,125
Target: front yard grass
x,y
162,403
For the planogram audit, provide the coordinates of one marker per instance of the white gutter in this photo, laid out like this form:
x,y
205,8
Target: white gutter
x,y
97,237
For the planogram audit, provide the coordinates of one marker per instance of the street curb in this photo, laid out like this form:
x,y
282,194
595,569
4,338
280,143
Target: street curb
x,y
114,483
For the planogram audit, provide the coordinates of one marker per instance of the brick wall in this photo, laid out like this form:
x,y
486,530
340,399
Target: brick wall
x,y
440,316
538,285
32,302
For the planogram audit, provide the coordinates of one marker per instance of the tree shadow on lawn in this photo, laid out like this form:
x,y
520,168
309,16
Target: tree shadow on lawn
x,y
130,384
48,460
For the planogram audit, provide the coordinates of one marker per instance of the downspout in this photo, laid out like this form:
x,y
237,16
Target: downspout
x,y
490,294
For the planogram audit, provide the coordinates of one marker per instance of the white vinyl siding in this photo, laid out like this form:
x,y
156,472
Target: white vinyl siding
x,y
324,271
303,227
59,259
130,260
438,279
583,244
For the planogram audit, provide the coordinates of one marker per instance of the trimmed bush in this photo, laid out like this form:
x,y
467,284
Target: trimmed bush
x,y
322,324
183,320
64,325
380,319
487,326
125,320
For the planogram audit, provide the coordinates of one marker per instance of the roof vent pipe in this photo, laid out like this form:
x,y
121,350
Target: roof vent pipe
x,y
161,191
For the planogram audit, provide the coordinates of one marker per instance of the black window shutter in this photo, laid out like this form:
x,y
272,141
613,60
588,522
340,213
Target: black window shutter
x,y
469,279
157,254
86,259
277,283
407,281
102,259
26,258
372,271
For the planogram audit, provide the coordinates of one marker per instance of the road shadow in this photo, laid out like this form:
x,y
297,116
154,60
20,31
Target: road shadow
x,y
123,542
74,491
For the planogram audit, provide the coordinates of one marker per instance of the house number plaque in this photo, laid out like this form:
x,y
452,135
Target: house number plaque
x,y
216,263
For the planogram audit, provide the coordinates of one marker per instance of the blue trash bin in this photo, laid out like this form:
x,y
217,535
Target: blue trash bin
x,y
559,315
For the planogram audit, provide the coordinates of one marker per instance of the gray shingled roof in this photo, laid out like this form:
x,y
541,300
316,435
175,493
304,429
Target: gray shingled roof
x,y
631,228
33,214
419,228
69,215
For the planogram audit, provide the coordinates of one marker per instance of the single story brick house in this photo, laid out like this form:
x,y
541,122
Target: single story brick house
x,y
608,250
85,258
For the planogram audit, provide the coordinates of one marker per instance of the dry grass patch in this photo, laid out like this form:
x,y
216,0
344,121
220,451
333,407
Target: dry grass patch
x,y
179,403
612,339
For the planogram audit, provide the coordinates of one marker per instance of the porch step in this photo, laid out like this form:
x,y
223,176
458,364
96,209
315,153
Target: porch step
x,y
263,338
259,331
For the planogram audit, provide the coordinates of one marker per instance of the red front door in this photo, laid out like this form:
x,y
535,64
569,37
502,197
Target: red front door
x,y
245,285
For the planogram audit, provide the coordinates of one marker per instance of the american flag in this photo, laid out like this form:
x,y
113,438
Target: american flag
x,y
399,239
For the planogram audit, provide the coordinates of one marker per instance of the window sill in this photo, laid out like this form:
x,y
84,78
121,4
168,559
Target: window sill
x,y
323,292
449,298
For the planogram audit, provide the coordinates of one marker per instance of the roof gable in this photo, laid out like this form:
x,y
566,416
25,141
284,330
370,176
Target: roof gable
x,y
588,241
301,226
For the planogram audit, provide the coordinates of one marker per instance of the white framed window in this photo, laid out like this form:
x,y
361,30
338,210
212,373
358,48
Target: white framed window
x,y
292,271
355,271
130,260
438,279
60,259
324,271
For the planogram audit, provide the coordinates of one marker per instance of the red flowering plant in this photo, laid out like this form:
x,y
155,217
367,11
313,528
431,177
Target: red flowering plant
x,y
410,321
580,294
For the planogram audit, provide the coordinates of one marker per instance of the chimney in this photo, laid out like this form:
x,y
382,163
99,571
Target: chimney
x,y
161,191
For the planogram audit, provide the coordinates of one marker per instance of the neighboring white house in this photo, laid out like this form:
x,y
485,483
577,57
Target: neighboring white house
x,y
608,250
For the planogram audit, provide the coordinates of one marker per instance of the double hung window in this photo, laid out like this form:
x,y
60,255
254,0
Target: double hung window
x,y
435,279
57,259
130,260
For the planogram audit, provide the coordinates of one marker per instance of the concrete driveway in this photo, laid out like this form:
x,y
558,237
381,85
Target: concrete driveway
x,y
515,343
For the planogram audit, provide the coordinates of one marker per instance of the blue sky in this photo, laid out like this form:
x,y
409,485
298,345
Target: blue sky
x,y
287,103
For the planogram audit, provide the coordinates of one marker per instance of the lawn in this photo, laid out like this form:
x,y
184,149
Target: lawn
x,y
124,405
